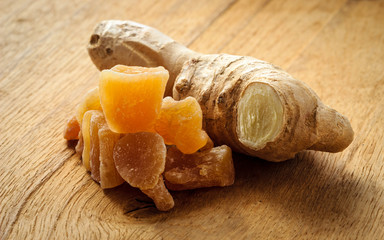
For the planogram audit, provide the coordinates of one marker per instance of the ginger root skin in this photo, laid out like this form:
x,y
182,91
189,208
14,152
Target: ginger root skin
x,y
250,105
129,43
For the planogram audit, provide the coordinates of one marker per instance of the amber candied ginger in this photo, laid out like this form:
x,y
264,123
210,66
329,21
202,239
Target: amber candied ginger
x,y
96,122
180,124
213,167
86,137
109,177
123,126
72,129
131,97
160,195
99,142
140,160
91,101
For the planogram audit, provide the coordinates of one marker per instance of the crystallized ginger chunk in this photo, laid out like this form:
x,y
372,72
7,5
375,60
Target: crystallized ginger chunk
x,y
97,121
208,146
213,167
160,195
72,129
140,158
91,101
80,144
85,132
131,97
109,177
98,144
180,124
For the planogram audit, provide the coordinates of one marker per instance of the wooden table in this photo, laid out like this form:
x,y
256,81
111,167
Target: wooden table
x,y
337,47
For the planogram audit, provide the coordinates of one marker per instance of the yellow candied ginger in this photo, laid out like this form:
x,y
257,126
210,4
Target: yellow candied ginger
x,y
180,124
131,97
209,168
98,144
91,101
140,158
72,129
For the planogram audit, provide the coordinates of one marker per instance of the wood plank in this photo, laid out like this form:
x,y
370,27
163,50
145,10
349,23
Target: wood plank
x,y
227,26
10,8
28,26
50,90
274,31
346,58
346,199
45,193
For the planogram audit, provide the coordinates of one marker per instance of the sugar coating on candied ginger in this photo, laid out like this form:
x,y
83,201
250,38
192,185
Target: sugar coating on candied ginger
x,y
131,97
98,144
97,121
72,129
213,167
109,177
160,195
180,124
91,101
86,136
80,144
140,158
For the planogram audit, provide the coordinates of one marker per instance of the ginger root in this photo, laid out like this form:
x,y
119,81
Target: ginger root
x,y
250,105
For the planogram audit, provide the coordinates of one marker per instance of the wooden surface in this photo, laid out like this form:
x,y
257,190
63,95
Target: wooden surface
x,y
337,47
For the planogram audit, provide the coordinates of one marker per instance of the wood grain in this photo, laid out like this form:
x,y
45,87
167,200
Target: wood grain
x,y
337,47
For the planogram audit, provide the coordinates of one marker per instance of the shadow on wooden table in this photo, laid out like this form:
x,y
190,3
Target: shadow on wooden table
x,y
310,189
304,189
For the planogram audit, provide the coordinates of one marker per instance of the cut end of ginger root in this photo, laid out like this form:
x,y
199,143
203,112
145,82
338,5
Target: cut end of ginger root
x,y
260,116
124,125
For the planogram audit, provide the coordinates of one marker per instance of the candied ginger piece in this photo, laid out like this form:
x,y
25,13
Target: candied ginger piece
x,y
91,101
140,158
209,168
85,132
109,177
209,145
97,121
180,124
98,144
160,196
80,144
131,97
72,129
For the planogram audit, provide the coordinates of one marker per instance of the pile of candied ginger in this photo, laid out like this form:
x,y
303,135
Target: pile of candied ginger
x,y
127,132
